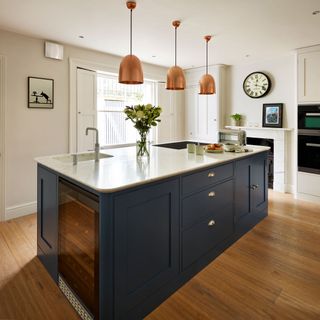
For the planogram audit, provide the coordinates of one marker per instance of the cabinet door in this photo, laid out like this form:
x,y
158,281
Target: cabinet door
x,y
258,182
251,185
191,115
171,126
309,77
146,243
47,220
242,187
201,115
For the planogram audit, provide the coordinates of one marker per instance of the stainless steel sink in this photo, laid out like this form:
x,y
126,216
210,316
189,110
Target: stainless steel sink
x,y
81,157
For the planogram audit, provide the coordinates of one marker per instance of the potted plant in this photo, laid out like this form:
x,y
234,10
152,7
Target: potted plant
x,y
144,117
236,119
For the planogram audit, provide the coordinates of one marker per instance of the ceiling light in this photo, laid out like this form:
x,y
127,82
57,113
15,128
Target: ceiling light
x,y
175,76
81,37
207,84
130,71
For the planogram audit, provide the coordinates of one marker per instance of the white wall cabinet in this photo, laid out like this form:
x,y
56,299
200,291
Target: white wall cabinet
x,y
204,114
309,77
172,126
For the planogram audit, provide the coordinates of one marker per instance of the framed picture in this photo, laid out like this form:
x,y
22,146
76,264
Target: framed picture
x,y
272,115
40,93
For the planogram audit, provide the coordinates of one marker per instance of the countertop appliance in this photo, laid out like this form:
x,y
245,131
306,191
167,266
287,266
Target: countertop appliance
x,y
309,138
233,136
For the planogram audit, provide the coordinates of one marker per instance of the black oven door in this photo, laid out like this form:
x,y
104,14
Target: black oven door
x,y
309,117
309,153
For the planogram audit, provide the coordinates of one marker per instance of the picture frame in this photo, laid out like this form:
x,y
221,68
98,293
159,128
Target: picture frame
x,y
40,93
272,115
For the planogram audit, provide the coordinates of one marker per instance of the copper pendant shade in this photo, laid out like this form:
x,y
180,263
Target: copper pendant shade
x,y
207,83
175,75
130,71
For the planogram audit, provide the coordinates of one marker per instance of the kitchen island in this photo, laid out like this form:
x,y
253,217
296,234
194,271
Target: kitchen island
x,y
120,235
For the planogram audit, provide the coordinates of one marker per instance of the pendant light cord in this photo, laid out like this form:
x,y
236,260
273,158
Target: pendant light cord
x,y
175,46
207,57
131,32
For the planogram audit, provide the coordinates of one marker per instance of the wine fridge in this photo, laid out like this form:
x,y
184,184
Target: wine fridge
x,y
78,259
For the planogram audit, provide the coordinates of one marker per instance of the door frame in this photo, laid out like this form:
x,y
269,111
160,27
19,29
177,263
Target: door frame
x,y
3,84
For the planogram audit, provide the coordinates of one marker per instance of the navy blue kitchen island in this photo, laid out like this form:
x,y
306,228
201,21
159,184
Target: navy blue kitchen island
x,y
118,253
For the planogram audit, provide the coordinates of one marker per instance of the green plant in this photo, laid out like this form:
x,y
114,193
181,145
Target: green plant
x,y
144,117
236,116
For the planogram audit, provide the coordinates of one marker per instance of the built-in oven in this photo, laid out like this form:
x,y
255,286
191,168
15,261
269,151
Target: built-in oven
x,y
309,152
308,117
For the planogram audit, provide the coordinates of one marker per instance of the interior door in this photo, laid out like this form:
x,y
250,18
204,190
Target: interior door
x,y
86,108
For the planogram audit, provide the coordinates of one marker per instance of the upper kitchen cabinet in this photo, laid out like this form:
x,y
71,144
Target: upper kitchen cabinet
x,y
309,76
171,127
204,113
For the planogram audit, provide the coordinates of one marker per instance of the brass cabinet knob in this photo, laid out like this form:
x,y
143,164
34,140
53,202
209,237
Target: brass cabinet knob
x,y
211,194
211,223
211,174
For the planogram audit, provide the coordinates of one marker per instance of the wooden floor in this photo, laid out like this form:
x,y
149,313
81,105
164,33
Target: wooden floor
x,y
273,272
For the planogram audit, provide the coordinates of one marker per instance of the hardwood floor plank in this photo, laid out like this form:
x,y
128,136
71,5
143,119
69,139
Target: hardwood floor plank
x,y
273,272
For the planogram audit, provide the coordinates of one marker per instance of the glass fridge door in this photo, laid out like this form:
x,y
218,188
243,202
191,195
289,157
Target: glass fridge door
x,y
78,259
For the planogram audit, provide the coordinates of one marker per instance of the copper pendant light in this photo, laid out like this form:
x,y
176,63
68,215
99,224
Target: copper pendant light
x,y
207,83
130,71
175,76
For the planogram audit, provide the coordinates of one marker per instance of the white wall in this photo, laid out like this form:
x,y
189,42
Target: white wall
x,y
31,132
282,72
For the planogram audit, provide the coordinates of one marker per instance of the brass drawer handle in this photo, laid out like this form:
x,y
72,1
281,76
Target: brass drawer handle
x,y
211,174
211,194
211,223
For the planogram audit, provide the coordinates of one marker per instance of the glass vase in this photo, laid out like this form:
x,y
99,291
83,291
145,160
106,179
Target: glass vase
x,y
143,145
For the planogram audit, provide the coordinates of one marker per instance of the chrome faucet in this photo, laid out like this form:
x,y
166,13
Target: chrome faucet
x,y
96,146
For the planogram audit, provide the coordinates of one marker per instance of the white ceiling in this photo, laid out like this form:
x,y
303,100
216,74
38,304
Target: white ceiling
x,y
262,29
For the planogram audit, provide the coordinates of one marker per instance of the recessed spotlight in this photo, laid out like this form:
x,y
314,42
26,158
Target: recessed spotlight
x,y
81,37
316,12
153,56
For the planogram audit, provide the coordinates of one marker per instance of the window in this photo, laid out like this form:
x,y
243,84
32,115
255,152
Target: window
x,y
113,97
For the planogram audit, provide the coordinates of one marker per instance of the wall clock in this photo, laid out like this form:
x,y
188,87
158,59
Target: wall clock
x,y
256,85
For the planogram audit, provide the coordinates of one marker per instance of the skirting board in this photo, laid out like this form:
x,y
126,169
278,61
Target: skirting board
x,y
21,210
307,197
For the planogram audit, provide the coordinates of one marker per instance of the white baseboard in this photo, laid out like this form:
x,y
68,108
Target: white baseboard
x,y
290,188
307,197
20,210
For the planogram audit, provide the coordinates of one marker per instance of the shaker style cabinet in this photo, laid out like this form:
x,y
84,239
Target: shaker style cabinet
x,y
251,196
309,77
119,255
204,114
146,243
47,224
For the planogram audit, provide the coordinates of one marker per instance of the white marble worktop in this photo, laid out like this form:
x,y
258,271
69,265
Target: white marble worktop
x,y
124,170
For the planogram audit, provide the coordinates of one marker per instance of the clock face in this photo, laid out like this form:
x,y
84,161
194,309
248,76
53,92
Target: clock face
x,y
256,85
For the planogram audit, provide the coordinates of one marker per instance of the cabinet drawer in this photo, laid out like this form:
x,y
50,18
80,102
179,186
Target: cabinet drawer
x,y
204,203
202,237
197,181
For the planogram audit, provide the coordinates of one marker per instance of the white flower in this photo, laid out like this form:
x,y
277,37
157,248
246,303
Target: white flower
x,y
140,114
